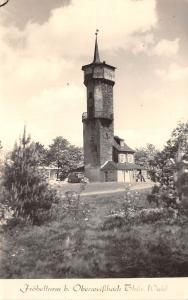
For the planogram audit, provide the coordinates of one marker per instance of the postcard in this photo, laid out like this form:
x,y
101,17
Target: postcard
x,y
93,149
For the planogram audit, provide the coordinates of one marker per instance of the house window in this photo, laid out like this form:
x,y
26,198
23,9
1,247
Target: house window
x,y
122,143
121,158
130,158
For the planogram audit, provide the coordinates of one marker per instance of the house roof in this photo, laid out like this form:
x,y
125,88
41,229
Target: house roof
x,y
124,148
111,165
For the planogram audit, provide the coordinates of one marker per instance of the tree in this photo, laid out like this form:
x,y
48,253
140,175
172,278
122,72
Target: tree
x,y
145,157
181,175
169,167
42,153
64,156
27,192
1,156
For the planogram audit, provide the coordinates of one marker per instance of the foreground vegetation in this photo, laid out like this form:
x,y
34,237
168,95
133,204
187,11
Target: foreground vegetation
x,y
109,236
58,233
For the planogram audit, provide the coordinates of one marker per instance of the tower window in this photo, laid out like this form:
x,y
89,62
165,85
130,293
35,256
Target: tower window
x,y
107,135
90,95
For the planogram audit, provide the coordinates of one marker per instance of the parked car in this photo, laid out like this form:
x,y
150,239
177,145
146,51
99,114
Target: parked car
x,y
75,177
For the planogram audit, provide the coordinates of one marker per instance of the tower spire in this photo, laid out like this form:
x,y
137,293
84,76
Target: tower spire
x,y
96,58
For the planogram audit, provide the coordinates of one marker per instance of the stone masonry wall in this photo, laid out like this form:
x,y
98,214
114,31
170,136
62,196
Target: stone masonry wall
x,y
98,141
103,95
106,140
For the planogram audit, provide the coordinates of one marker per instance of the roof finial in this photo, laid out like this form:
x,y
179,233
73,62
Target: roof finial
x,y
96,58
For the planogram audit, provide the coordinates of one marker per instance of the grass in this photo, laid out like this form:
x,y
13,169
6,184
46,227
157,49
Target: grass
x,y
82,247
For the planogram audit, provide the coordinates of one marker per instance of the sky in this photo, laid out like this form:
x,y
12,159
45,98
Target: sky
x,y
43,45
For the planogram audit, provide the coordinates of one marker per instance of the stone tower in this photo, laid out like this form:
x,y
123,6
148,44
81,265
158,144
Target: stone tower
x,y
98,124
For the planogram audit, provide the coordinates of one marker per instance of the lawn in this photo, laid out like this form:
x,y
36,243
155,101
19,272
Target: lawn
x,y
100,241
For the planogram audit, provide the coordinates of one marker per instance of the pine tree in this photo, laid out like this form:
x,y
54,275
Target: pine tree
x,y
27,191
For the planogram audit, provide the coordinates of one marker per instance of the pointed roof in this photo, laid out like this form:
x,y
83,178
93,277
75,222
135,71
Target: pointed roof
x,y
96,58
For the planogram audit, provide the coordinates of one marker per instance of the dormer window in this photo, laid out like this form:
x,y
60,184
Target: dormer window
x,y
130,158
121,158
122,143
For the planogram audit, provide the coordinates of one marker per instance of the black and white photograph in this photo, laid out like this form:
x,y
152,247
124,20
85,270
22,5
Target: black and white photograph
x,y
93,139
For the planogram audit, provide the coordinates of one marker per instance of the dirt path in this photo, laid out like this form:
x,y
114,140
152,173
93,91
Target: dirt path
x,y
138,186
133,188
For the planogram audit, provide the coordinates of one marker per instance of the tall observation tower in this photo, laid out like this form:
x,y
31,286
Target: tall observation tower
x,y
98,121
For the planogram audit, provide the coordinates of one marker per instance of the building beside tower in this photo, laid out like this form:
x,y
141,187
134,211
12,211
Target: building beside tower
x,y
106,157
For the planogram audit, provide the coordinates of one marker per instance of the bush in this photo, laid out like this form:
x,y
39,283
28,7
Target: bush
x,y
26,191
6,214
151,215
113,222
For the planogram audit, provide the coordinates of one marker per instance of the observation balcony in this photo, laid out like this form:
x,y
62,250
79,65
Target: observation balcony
x,y
97,115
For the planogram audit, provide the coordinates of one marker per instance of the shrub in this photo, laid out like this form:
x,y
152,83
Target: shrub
x,y
6,214
151,215
26,191
112,222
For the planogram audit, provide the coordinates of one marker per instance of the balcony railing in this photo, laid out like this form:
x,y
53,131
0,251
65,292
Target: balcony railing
x,y
97,114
